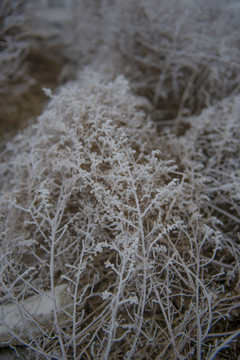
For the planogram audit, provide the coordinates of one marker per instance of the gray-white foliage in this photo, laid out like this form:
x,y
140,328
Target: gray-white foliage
x,y
135,221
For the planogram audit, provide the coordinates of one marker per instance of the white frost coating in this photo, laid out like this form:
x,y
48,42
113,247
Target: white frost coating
x,y
142,225
96,200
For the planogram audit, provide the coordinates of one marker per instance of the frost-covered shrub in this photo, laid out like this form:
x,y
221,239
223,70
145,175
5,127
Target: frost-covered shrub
x,y
137,231
209,152
213,142
181,55
93,204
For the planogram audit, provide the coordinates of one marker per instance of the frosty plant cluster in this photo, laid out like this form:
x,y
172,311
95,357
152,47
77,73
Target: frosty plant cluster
x,y
119,208
94,204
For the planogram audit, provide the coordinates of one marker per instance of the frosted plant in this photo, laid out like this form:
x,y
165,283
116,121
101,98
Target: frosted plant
x,y
119,242
214,138
210,151
92,206
182,56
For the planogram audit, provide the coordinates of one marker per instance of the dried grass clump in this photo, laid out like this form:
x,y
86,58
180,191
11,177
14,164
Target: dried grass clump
x,y
92,205
183,56
209,153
